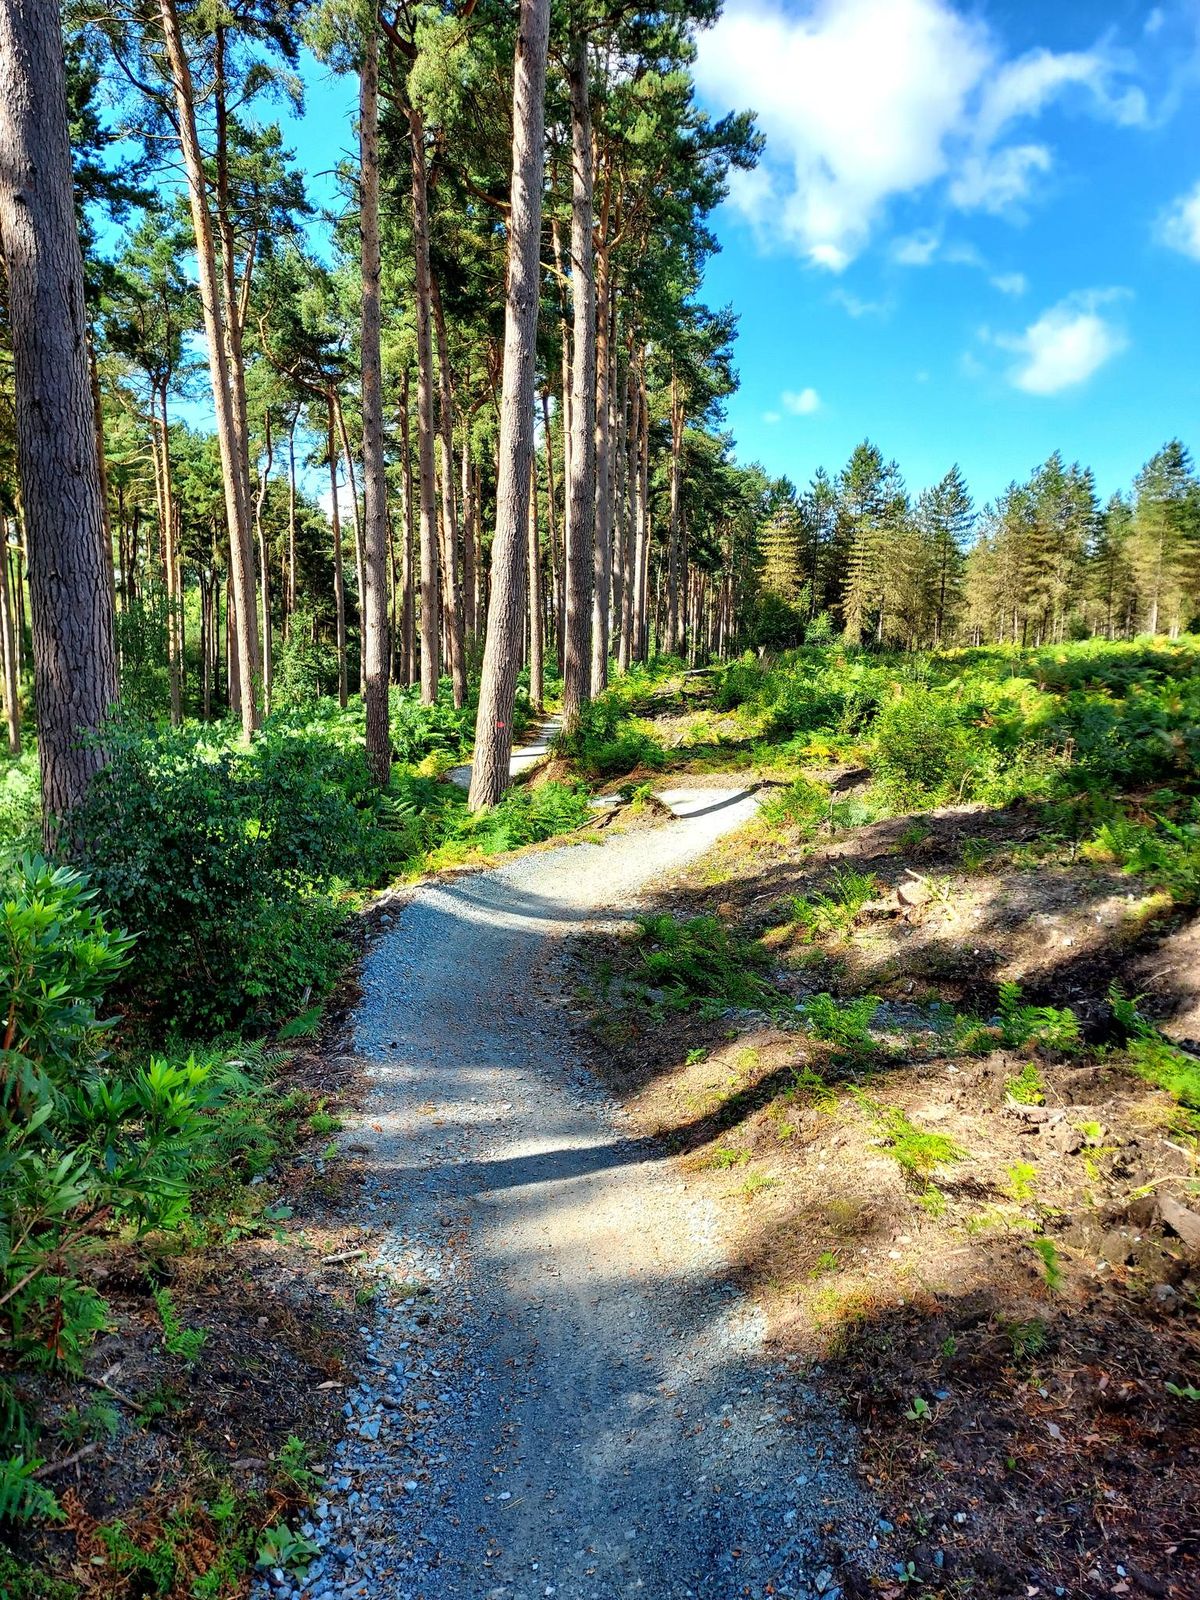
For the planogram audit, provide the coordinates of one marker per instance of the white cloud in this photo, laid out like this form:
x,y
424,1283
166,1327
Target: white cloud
x,y
1014,283
1066,345
997,180
857,307
1023,88
917,250
1179,226
800,402
863,101
772,417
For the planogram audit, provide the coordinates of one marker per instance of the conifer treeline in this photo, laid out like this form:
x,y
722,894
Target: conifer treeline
x,y
1044,563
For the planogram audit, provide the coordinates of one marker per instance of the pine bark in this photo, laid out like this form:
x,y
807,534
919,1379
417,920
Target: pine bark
x,y
430,614
627,502
451,589
641,527
582,468
233,460
674,531
556,603
339,578
537,624
602,550
74,659
8,649
264,566
506,602
376,641
410,670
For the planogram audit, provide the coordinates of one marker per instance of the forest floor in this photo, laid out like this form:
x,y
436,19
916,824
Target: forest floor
x,y
625,1274
986,1257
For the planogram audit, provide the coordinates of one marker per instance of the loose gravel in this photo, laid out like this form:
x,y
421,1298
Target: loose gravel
x,y
561,1392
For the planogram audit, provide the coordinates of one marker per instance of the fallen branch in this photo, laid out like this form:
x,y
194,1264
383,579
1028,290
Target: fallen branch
x,y
126,1400
63,1462
341,1255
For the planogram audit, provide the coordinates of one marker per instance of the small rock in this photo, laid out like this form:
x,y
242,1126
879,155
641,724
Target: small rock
x,y
1181,1221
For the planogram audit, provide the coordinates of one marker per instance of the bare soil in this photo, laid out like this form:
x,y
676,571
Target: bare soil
x,y
1023,1435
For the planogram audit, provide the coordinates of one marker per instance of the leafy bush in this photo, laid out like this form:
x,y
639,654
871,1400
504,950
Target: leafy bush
x,y
922,745
919,1154
418,731
1153,1056
228,861
607,742
20,802
92,1146
802,804
839,905
1166,853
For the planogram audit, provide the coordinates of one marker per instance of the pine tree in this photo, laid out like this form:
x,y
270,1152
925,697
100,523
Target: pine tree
x,y
945,516
1164,545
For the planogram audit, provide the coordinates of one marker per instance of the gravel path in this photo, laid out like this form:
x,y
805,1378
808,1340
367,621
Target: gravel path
x,y
562,1393
523,757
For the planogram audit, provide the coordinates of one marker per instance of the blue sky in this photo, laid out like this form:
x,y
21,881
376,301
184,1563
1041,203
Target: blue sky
x,y
975,235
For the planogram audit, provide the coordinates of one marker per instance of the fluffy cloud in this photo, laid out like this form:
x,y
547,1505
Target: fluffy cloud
x,y
1014,283
1180,225
1066,345
800,402
996,180
862,101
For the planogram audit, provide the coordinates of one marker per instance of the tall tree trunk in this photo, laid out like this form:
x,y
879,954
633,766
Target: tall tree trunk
x,y
470,576
74,658
451,591
628,503
339,579
233,460
430,618
376,643
264,566
537,625
411,670
564,335
674,531
552,533
356,513
641,525
602,552
171,568
506,603
582,480
289,610
8,649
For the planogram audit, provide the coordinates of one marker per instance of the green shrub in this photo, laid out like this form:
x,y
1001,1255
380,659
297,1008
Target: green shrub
x,y
700,960
1165,853
227,861
802,804
845,1023
1154,1057
921,746
917,1153
1048,1026
839,905
20,802
607,742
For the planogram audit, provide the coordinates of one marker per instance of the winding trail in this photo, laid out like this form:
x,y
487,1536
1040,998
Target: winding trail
x,y
565,1395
